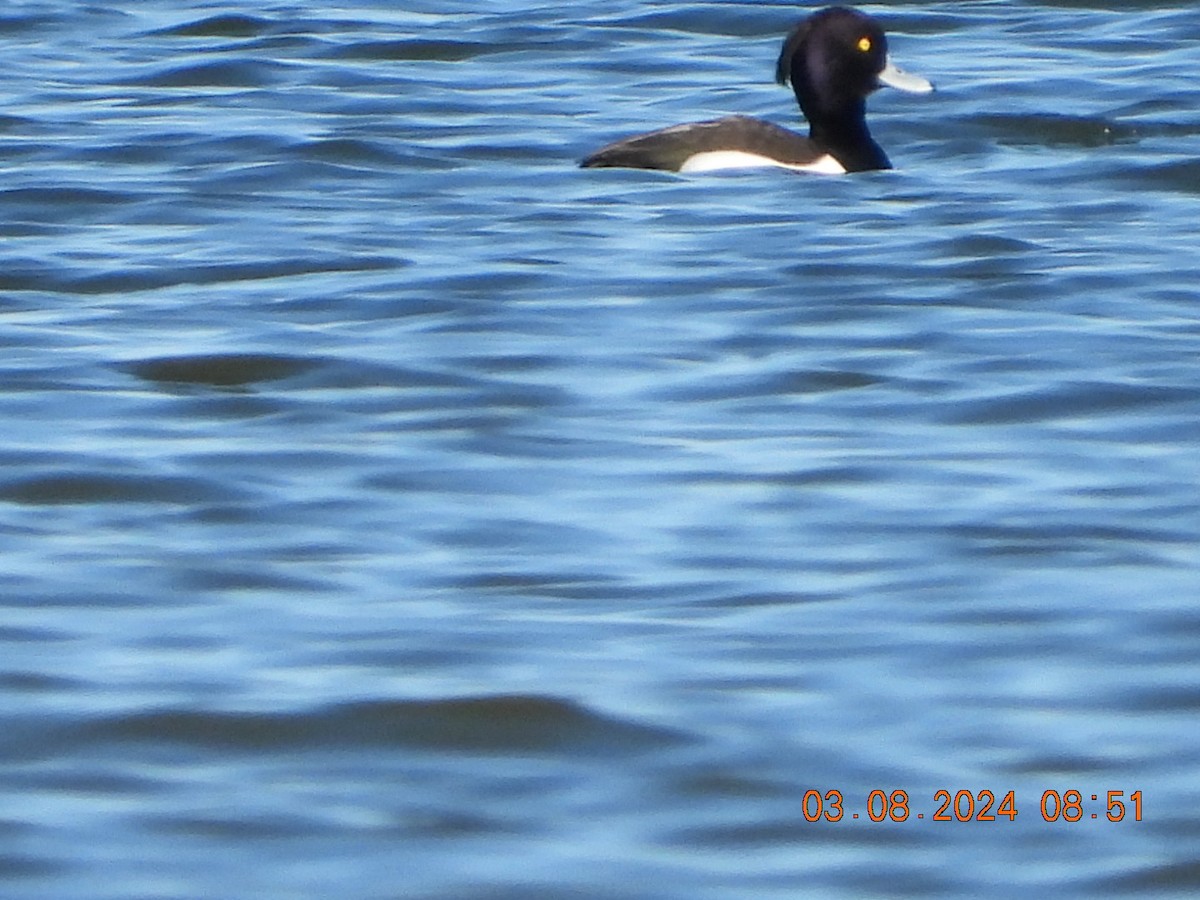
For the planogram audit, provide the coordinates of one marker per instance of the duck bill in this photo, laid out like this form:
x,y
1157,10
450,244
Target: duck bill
x,y
904,81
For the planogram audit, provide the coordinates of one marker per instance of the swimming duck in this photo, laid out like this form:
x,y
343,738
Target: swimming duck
x,y
833,59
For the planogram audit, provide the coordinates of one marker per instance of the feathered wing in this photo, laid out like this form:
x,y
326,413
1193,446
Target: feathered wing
x,y
670,148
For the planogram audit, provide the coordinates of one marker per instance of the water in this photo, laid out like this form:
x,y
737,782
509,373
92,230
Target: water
x,y
392,509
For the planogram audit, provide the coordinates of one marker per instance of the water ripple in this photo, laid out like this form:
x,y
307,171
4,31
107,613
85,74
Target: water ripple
x,y
489,725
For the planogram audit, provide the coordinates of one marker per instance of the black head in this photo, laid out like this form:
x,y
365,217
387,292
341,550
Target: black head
x,y
833,60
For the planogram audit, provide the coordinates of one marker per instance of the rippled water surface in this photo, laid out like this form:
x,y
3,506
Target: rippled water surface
x,y
391,509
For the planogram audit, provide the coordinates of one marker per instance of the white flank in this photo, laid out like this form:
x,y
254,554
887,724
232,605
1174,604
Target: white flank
x,y
716,160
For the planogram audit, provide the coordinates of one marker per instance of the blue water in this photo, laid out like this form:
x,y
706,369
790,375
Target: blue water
x,y
391,509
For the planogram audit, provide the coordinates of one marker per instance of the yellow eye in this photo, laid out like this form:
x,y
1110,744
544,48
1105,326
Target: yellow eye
x,y
864,44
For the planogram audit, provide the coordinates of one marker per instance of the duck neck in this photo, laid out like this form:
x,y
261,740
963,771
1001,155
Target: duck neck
x,y
847,138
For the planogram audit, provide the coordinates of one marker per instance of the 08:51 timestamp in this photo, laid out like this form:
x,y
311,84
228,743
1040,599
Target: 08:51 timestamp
x,y
975,806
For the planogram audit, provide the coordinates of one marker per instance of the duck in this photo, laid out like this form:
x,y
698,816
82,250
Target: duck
x,y
833,60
